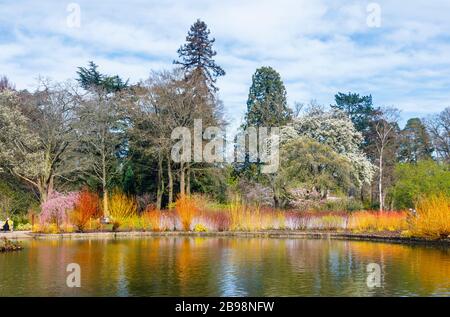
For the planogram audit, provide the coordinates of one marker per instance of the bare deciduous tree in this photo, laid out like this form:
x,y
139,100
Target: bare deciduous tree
x,y
101,133
168,100
439,127
384,129
37,135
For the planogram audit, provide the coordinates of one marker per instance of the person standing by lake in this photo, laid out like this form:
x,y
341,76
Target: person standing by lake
x,y
6,225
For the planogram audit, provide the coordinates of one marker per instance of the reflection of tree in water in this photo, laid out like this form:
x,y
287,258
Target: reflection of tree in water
x,y
423,269
181,266
324,267
174,266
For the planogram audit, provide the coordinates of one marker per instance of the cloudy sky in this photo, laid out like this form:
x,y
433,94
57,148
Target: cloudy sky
x,y
319,47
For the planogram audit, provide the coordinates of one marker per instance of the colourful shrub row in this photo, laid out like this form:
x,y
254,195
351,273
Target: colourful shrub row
x,y
81,212
378,221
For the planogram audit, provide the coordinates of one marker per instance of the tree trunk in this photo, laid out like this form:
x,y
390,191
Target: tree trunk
x,y
169,173
45,187
361,193
380,180
104,187
105,202
276,201
160,190
43,193
182,181
188,180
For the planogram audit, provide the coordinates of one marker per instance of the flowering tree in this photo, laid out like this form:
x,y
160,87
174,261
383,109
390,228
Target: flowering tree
x,y
310,165
55,209
336,130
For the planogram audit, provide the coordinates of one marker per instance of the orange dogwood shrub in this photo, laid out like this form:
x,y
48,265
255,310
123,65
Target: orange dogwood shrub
x,y
186,210
86,207
152,217
432,220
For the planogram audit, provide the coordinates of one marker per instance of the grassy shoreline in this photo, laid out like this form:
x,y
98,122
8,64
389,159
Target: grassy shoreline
x,y
389,237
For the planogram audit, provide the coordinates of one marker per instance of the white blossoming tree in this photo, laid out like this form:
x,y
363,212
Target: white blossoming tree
x,y
320,152
334,129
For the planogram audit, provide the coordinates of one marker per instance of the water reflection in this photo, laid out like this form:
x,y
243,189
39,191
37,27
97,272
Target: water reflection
x,y
182,266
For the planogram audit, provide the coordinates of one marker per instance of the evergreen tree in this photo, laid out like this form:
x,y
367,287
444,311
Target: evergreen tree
x,y
359,109
267,104
196,56
415,143
89,77
129,180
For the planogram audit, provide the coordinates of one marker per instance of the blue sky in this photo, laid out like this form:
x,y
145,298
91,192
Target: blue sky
x,y
319,47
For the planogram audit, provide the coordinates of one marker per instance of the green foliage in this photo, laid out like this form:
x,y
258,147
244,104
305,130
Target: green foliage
x,y
89,77
415,143
336,130
416,180
211,181
197,54
23,227
266,104
128,180
359,108
15,201
343,204
308,164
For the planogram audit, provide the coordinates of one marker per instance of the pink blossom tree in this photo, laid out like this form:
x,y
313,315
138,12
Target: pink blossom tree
x,y
55,209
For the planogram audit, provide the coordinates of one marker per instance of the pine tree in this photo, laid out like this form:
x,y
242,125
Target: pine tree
x,y
415,143
196,56
267,103
359,109
89,77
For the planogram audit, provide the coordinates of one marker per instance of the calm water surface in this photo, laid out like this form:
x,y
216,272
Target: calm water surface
x,y
180,266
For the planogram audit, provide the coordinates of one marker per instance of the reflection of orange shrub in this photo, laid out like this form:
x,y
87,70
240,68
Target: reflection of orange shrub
x,y
86,207
186,209
378,221
433,217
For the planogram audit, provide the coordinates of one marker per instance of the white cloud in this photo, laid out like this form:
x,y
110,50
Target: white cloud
x,y
319,47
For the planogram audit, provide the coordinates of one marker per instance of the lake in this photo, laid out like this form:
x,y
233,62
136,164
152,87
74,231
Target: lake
x,y
209,266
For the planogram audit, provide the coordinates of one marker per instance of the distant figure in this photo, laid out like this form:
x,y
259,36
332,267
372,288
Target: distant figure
x,y
6,225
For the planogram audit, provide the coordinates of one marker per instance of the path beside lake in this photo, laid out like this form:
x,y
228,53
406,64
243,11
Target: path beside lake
x,y
391,237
